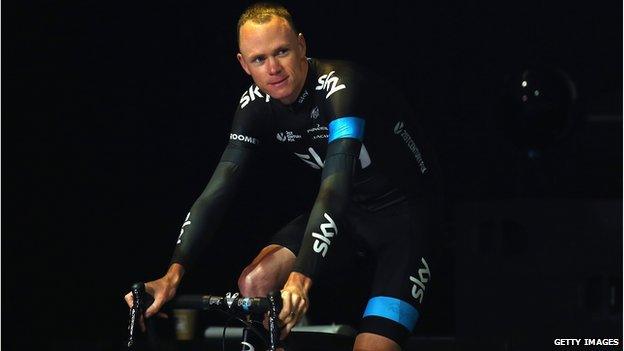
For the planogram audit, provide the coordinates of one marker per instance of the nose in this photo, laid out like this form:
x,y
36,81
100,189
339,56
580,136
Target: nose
x,y
274,66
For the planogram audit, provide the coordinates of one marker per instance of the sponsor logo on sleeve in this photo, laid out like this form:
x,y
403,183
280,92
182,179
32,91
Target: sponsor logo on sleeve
x,y
329,82
315,161
322,242
252,94
418,287
244,138
186,222
399,129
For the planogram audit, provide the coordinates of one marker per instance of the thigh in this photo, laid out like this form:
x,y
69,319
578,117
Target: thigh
x,y
398,239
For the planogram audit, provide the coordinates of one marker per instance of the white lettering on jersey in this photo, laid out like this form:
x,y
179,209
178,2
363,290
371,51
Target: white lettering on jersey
x,y
364,157
306,158
186,222
244,138
418,289
287,136
327,82
411,145
322,242
251,96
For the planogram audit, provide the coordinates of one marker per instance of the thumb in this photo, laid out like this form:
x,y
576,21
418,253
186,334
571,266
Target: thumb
x,y
155,307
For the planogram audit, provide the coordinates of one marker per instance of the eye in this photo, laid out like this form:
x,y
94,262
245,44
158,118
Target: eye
x,y
282,52
258,60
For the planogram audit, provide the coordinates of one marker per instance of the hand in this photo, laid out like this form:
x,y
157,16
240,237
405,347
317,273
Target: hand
x,y
295,301
162,290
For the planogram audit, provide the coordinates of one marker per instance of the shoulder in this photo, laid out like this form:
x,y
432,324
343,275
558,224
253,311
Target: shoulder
x,y
353,79
330,74
251,116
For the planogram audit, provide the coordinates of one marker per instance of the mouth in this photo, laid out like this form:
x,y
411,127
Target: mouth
x,y
279,82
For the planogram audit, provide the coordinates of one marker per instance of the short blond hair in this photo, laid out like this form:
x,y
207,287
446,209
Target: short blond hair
x,y
262,12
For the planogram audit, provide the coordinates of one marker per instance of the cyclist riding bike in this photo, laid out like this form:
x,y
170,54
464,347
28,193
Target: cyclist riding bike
x,y
379,181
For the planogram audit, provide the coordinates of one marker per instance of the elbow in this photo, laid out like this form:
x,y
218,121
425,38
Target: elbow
x,y
336,201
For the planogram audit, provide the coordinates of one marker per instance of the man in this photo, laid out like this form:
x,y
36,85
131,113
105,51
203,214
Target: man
x,y
347,124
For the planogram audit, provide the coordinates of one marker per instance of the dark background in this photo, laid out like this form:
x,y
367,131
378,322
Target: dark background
x,y
115,114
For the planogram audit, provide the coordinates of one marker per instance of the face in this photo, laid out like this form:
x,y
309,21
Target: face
x,y
274,56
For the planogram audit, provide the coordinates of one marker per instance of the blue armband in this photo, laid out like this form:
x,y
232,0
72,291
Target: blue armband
x,y
346,127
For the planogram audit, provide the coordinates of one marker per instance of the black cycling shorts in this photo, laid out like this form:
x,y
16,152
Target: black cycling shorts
x,y
396,240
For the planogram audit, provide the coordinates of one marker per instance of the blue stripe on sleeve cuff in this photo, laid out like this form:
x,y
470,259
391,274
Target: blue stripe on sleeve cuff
x,y
346,127
393,309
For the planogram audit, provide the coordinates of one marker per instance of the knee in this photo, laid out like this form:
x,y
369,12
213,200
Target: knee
x,y
255,281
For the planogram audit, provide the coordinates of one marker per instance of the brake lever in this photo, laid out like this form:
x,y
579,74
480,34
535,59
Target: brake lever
x,y
138,292
275,305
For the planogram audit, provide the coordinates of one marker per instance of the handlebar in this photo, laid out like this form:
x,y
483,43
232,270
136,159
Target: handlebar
x,y
230,303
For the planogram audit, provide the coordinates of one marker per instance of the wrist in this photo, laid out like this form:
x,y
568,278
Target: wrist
x,y
174,274
300,280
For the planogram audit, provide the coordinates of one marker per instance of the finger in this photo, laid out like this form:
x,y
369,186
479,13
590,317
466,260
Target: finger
x,y
286,307
286,330
296,301
302,307
142,323
296,309
162,315
284,322
155,307
129,299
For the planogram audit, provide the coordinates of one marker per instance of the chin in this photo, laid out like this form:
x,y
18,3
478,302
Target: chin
x,y
280,94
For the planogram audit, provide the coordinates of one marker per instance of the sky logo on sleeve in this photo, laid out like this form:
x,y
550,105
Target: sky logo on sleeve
x,y
186,222
322,242
329,83
418,287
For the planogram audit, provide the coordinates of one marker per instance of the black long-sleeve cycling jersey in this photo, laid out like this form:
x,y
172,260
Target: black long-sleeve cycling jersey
x,y
347,123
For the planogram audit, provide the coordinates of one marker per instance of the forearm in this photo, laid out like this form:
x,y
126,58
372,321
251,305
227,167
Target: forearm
x,y
175,273
326,218
208,210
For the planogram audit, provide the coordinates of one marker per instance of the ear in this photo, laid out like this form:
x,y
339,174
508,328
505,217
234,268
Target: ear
x,y
302,44
242,62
